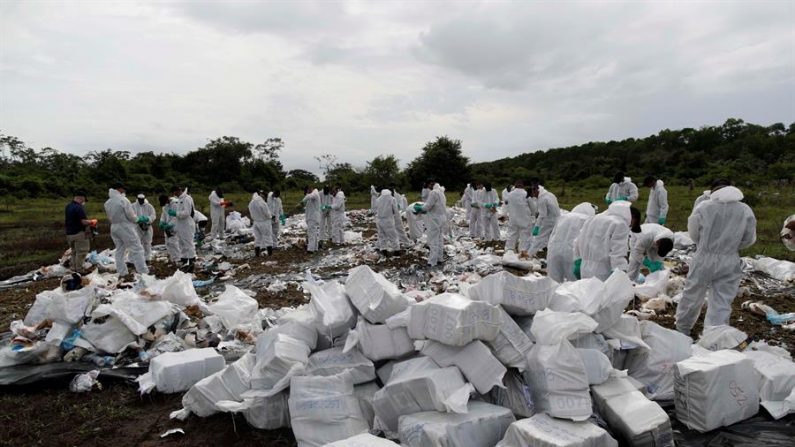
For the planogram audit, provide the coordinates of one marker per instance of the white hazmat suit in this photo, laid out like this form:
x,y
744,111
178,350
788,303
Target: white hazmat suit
x,y
217,217
521,210
602,243
720,227
436,216
385,211
122,231
169,229
560,251
261,221
466,200
338,218
275,205
548,214
625,190
186,226
325,216
145,209
475,225
657,208
312,216
644,246
402,204
488,216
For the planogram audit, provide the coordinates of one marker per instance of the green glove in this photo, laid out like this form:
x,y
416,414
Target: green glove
x,y
607,200
169,227
417,208
172,212
661,220
487,205
623,198
161,225
577,266
283,218
653,266
495,205
142,219
536,230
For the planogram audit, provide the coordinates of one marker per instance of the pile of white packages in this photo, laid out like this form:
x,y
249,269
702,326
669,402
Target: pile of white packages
x,y
515,361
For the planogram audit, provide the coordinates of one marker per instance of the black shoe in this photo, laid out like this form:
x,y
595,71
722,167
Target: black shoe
x,y
257,251
270,251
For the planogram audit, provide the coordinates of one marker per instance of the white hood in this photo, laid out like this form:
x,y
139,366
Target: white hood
x,y
386,192
585,208
727,194
620,209
112,193
659,184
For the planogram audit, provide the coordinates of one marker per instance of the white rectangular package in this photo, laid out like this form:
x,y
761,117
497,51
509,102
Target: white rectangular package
x,y
279,357
174,372
415,385
324,409
715,390
516,395
635,419
228,384
474,360
333,313
655,367
519,295
454,320
268,413
483,425
374,296
379,341
511,345
362,440
544,431
777,384
333,361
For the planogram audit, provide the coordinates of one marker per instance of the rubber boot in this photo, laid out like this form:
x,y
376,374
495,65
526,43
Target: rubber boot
x,y
270,251
257,251
191,264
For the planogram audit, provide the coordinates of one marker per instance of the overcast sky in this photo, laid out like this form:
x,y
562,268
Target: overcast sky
x,y
358,79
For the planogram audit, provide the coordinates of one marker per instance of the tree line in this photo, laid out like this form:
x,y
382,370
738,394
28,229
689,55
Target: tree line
x,y
741,151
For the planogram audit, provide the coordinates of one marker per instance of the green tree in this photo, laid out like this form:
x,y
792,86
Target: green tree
x,y
382,171
443,161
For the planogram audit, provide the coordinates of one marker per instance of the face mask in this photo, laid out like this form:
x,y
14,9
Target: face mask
x,y
141,201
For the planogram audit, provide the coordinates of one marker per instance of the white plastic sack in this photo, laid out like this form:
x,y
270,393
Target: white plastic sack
x,y
110,336
474,360
179,289
362,440
654,367
234,308
618,293
778,269
331,308
720,337
584,295
777,384
627,332
517,295
483,425
453,319
597,365
69,307
656,284
511,345
299,324
544,431
334,361
365,393
279,357
379,342
228,384
374,296
636,420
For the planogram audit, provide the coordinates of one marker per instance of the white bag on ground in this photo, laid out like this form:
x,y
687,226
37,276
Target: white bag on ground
x,y
331,308
655,284
69,307
524,295
324,409
173,372
299,324
583,295
618,293
453,319
226,385
268,413
365,393
654,367
374,296
379,342
333,361
483,425
720,337
716,390
778,381
179,289
110,336
474,360
234,308
778,269
556,373
279,357
362,440
417,385
511,345
626,331
597,365
544,431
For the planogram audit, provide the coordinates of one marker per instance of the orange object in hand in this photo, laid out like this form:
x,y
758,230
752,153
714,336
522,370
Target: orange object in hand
x,y
93,222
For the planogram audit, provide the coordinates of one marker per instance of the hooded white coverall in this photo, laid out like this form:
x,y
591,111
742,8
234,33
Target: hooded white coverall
x,y
488,216
548,214
624,189
466,200
504,197
644,247
702,198
217,218
261,221
602,243
520,223
657,208
385,211
275,205
416,225
312,216
122,231
475,225
145,209
373,197
402,204
172,243
560,251
186,226
436,209
325,217
720,227
338,218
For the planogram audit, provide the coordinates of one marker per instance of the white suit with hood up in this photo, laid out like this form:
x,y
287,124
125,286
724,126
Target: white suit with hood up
x,y
186,226
385,212
548,214
312,216
338,218
172,243
475,215
123,232
402,204
436,217
560,250
217,217
624,189
261,216
275,205
658,203
720,227
145,209
488,216
602,243
644,247
521,212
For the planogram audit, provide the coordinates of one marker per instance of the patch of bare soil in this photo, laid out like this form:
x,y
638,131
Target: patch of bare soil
x,y
15,303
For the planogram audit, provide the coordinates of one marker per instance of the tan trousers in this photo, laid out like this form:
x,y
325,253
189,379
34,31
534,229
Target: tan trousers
x,y
80,244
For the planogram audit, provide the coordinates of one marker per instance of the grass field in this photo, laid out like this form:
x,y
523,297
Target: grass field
x,y
31,230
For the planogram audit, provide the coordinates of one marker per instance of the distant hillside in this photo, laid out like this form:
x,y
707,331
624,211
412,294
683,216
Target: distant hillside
x,y
738,150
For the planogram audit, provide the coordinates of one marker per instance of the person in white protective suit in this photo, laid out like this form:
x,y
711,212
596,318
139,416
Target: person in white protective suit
x,y
123,222
385,211
261,220
435,210
416,225
649,250
622,189
560,250
601,246
142,207
521,219
548,214
475,228
504,197
466,200
720,227
325,213
657,207
373,197
402,205
488,213
185,228
311,202
279,218
168,224
217,215
338,216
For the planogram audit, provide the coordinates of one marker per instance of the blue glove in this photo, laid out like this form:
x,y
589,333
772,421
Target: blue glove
x,y
661,220
283,218
536,230
142,219
172,212
577,267
653,266
641,278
